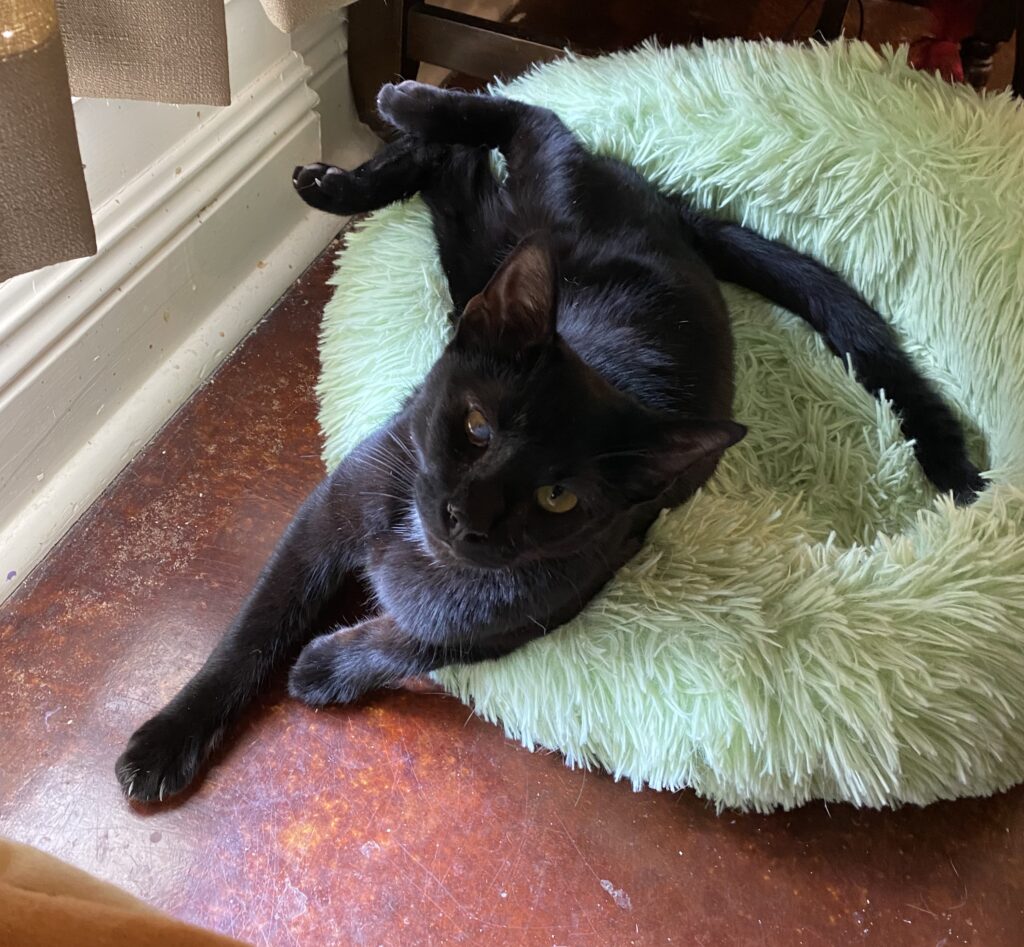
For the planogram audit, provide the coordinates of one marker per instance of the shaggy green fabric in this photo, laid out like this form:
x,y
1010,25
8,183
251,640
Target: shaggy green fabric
x,y
816,623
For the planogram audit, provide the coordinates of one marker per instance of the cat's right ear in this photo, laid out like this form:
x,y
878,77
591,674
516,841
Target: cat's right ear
x,y
515,312
672,448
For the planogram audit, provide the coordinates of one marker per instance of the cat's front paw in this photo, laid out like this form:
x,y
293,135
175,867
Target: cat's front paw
x,y
163,757
324,187
330,670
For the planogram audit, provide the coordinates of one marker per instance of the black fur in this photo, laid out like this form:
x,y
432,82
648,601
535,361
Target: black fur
x,y
592,340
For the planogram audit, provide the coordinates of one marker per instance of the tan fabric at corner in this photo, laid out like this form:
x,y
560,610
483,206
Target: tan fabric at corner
x,y
157,50
286,15
44,207
46,903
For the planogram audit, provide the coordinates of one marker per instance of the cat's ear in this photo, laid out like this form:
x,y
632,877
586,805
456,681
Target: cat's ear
x,y
680,445
516,310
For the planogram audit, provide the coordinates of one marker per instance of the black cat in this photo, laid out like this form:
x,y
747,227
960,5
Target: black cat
x,y
587,385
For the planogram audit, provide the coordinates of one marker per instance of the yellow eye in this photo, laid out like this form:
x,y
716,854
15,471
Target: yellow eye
x,y
555,498
477,429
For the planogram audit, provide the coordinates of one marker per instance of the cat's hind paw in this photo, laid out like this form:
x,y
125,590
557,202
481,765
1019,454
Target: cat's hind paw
x,y
416,108
446,116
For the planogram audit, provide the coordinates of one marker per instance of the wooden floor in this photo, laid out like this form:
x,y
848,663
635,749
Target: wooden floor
x,y
404,820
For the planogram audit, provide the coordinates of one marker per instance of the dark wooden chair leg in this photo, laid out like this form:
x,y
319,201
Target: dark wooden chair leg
x,y
1017,84
473,46
994,26
830,22
976,55
377,34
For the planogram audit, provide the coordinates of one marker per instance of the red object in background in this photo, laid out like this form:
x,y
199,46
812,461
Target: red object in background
x,y
952,21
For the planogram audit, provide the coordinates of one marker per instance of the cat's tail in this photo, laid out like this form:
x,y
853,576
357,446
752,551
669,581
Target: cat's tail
x,y
852,329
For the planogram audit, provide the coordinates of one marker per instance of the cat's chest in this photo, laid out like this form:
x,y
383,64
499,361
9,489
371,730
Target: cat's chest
x,y
436,601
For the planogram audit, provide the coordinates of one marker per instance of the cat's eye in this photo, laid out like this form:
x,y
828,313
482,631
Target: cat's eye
x,y
477,429
555,498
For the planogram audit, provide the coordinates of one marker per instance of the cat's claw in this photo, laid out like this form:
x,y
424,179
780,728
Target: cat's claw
x,y
163,757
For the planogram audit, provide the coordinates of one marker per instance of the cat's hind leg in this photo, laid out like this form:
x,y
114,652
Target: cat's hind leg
x,y
471,221
448,115
525,134
465,201
544,158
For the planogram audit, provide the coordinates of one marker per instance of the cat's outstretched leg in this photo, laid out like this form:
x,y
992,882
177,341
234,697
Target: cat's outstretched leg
x,y
457,185
325,541
166,753
397,171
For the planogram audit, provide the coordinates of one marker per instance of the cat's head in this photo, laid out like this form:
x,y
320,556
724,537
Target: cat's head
x,y
526,453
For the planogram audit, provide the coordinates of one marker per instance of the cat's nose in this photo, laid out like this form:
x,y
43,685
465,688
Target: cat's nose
x,y
458,527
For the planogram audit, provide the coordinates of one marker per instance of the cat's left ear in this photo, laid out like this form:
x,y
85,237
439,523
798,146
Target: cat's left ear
x,y
516,310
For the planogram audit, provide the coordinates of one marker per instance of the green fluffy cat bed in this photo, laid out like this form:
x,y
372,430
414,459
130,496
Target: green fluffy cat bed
x,y
816,623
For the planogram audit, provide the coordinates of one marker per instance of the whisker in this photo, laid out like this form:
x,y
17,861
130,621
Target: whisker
x,y
380,493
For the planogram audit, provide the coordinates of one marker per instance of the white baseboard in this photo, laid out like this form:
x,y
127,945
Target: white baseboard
x,y
97,354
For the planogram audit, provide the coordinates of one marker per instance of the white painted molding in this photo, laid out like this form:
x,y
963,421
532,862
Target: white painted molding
x,y
345,141
96,354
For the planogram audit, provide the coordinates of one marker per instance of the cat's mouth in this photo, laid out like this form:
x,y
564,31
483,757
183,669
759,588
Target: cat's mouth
x,y
442,550
467,556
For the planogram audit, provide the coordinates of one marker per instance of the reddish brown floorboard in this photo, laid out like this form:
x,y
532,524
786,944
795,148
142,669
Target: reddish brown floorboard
x,y
404,820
